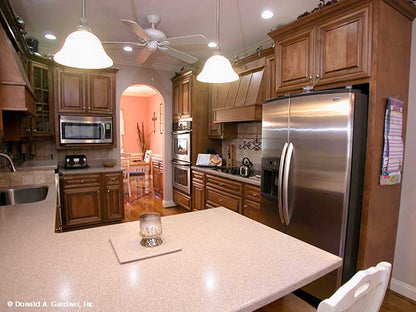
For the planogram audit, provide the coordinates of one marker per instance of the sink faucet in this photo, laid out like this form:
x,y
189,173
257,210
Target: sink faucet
x,y
12,168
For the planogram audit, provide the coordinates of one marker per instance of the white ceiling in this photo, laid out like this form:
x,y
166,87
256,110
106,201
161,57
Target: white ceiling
x,y
241,26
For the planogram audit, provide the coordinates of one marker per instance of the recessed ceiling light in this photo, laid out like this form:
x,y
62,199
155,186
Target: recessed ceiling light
x,y
212,44
50,36
266,14
128,48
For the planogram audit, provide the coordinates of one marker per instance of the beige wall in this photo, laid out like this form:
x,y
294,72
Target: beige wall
x,y
404,269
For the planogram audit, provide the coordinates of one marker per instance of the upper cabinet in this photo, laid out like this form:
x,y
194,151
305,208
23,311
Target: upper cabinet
x,y
334,49
85,92
41,79
182,95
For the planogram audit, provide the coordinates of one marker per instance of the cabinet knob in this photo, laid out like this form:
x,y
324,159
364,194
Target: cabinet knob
x,y
221,184
108,191
221,200
98,192
89,107
310,77
317,76
254,194
245,206
82,181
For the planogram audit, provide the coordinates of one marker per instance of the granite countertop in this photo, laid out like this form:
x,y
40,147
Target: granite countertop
x,y
92,169
228,263
250,180
31,165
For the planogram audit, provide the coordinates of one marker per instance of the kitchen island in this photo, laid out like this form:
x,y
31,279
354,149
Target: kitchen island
x,y
227,263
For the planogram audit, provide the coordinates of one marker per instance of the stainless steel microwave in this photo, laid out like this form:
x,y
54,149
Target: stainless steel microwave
x,y
85,130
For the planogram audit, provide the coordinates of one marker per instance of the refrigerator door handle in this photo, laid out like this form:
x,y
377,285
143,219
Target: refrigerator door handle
x,y
280,183
286,183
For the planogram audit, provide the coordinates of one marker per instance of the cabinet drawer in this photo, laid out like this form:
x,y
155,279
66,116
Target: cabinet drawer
x,y
198,177
252,192
226,185
182,200
80,180
113,178
217,198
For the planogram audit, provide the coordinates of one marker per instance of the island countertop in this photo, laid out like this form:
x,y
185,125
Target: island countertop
x,y
227,263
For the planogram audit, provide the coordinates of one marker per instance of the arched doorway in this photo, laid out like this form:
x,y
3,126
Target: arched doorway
x,y
142,130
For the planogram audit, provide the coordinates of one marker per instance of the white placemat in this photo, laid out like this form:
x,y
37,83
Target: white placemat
x,y
128,248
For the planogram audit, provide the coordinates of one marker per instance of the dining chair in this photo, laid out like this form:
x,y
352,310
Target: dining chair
x,y
125,165
141,169
365,291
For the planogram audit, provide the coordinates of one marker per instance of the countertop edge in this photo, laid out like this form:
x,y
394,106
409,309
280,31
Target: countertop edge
x,y
212,171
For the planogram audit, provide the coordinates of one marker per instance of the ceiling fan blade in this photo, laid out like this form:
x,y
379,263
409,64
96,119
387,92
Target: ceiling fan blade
x,y
143,55
187,40
179,55
136,28
124,43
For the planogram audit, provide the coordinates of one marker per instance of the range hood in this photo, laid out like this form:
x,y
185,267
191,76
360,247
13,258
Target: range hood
x,y
241,101
16,93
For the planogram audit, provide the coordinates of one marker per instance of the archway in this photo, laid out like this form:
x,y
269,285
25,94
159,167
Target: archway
x,y
142,129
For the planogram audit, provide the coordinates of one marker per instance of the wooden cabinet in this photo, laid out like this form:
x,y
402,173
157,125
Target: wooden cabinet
x,y
157,170
331,50
42,83
81,206
182,200
182,97
198,196
81,91
210,191
91,199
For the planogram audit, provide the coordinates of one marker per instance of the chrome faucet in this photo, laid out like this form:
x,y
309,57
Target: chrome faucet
x,y
12,168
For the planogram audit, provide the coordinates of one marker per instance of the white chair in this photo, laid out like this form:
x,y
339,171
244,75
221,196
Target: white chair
x,y
364,292
125,165
141,169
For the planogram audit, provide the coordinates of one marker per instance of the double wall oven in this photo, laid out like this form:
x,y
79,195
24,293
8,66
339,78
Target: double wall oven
x,y
181,158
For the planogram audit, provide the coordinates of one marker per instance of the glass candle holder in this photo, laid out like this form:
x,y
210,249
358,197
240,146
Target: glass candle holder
x,y
150,229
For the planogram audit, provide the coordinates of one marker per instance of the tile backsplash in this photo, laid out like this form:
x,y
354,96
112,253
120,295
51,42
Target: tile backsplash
x,y
247,144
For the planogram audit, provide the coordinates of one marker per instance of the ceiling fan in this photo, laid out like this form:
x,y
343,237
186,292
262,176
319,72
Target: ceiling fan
x,y
153,39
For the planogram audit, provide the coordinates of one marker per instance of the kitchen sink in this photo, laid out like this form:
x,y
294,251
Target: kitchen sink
x,y
14,196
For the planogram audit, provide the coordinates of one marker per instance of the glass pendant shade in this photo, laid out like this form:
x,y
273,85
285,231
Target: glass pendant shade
x,y
82,49
217,69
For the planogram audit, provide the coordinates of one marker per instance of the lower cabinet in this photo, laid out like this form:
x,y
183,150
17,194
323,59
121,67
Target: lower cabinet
x,y
210,191
182,200
157,169
198,196
91,200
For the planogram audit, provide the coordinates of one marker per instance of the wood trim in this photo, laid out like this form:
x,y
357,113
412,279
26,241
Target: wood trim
x,y
236,114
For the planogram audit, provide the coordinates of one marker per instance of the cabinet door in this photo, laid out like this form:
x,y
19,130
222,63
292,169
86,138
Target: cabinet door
x,y
41,80
270,72
198,196
114,207
82,206
100,93
177,98
71,91
218,198
294,61
186,98
251,210
343,47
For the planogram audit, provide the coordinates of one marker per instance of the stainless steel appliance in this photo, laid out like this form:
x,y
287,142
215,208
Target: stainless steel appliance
x,y
181,155
75,162
313,155
182,140
85,130
182,176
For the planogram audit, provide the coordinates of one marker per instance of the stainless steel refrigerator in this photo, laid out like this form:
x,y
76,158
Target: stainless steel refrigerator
x,y
313,154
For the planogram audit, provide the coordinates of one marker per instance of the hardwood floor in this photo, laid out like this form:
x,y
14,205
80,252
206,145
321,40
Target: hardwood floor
x,y
140,203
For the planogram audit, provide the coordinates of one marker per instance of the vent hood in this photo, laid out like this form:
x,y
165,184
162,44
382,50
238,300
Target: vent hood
x,y
241,100
16,93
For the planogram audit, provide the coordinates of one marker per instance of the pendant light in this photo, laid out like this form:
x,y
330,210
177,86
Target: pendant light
x,y
83,49
217,69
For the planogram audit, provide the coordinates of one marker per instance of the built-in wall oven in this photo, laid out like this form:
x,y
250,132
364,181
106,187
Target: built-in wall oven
x,y
85,130
181,155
